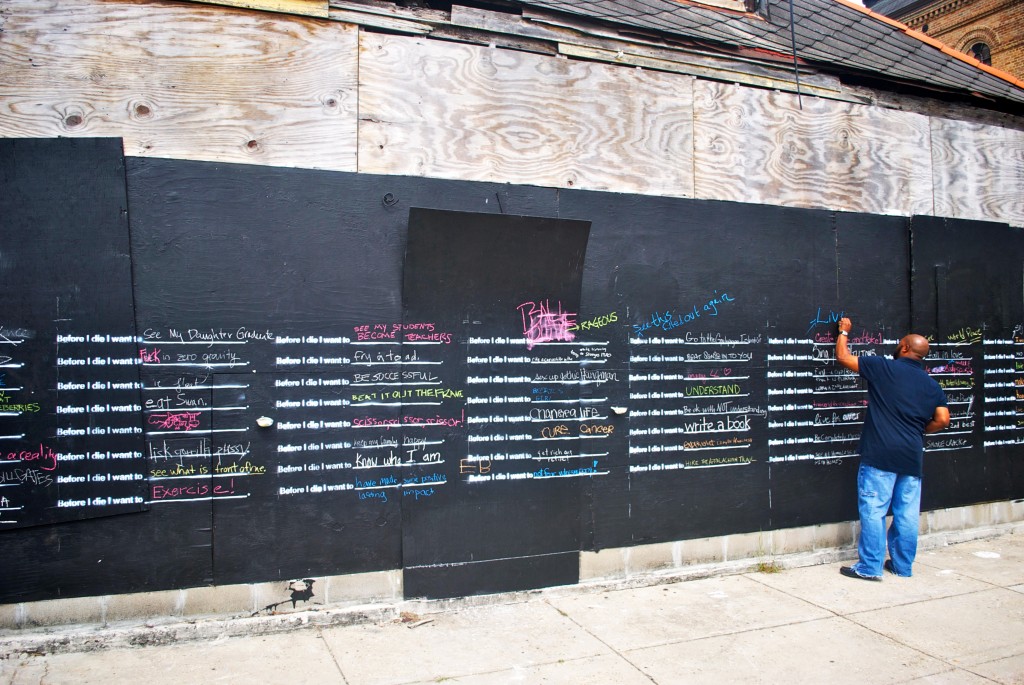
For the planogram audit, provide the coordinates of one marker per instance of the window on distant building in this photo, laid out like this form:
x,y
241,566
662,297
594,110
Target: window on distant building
x,y
981,52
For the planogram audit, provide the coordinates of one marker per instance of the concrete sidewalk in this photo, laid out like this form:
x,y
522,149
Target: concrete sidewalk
x,y
960,619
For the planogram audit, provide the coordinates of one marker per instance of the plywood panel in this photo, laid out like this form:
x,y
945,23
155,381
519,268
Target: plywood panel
x,y
759,146
313,8
181,81
979,171
478,113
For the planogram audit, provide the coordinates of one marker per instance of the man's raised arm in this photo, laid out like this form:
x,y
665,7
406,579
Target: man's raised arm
x,y
843,355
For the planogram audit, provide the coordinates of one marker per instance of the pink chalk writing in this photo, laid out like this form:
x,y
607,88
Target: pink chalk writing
x,y
192,490
542,324
175,421
46,457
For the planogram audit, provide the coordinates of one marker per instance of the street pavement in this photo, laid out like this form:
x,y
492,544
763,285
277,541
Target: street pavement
x,y
958,620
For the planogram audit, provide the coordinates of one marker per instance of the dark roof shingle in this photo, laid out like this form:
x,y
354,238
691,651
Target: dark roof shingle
x,y
828,32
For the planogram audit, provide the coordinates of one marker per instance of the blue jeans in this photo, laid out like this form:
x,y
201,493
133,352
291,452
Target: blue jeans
x,y
875,490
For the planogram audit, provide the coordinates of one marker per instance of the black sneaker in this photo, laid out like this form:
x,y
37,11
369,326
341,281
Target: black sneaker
x,y
889,567
850,572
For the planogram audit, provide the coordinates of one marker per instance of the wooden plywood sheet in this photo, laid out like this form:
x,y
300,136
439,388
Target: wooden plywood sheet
x,y
760,146
313,8
478,113
979,171
181,81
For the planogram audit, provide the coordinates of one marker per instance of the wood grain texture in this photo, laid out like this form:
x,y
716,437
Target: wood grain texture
x,y
759,146
628,55
978,171
380,21
594,42
311,8
183,81
476,113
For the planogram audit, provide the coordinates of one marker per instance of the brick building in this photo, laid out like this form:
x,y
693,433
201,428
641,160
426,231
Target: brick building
x,y
991,31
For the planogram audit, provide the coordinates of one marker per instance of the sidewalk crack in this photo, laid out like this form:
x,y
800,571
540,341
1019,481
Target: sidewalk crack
x,y
334,657
603,642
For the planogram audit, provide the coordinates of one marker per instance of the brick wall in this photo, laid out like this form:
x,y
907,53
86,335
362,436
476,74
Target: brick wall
x,y
961,23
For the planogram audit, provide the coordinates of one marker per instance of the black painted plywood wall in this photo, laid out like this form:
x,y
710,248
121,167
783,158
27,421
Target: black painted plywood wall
x,y
473,382
968,288
503,285
70,412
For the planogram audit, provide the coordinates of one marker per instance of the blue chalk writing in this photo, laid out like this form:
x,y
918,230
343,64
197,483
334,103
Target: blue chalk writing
x,y
830,319
568,473
668,320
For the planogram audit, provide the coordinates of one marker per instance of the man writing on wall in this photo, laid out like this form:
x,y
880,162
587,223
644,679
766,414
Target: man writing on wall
x,y
904,403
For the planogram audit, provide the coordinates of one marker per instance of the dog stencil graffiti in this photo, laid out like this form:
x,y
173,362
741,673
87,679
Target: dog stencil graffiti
x,y
301,591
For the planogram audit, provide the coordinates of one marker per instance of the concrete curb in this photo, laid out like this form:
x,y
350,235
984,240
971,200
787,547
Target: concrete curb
x,y
89,639
68,639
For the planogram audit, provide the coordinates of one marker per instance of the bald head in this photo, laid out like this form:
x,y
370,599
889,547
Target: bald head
x,y
914,345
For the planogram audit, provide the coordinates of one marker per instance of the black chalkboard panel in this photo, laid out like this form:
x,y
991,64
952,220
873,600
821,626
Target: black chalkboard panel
x,y
968,280
508,287
708,297
872,293
70,432
252,284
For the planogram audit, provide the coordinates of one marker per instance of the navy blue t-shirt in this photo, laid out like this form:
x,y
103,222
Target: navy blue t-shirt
x,y
902,399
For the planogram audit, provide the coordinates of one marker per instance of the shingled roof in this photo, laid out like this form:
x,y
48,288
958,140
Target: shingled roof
x,y
891,7
834,35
